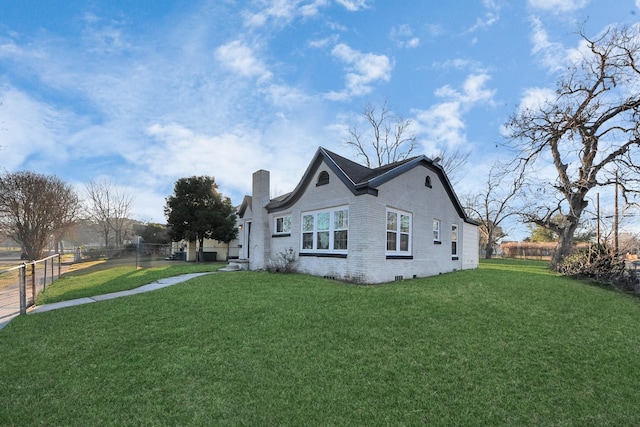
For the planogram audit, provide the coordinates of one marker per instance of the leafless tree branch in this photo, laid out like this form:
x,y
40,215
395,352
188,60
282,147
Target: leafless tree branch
x,y
587,132
390,140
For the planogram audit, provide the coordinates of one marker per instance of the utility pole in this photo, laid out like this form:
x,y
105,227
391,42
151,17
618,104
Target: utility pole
x,y
615,219
598,218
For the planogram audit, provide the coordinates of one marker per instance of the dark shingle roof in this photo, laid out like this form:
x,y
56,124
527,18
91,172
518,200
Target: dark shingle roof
x,y
361,179
359,173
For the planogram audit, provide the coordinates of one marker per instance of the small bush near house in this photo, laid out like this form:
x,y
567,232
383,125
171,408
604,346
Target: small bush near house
x,y
285,262
598,262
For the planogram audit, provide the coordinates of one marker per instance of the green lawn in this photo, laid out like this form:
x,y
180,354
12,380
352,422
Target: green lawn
x,y
507,344
105,277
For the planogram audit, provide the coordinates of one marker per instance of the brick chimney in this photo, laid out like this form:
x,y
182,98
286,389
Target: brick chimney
x,y
260,227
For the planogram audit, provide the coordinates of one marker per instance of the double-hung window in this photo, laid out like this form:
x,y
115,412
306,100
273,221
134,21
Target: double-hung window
x,y
282,224
436,231
398,232
454,241
325,231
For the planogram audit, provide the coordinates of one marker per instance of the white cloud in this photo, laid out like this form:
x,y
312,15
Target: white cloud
x,y
9,49
105,38
491,16
327,41
363,70
313,8
402,35
353,5
29,129
558,6
152,117
227,155
553,55
145,116
278,10
414,42
536,98
281,12
462,64
532,99
232,157
473,90
443,124
240,58
434,30
286,96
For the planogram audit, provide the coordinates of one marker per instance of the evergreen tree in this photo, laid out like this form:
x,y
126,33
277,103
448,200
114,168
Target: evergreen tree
x,y
197,211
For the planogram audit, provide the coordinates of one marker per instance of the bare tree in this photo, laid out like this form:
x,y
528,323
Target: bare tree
x,y
453,163
495,204
590,130
35,209
390,140
109,208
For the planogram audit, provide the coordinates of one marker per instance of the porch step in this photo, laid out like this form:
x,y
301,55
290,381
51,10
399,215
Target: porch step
x,y
235,266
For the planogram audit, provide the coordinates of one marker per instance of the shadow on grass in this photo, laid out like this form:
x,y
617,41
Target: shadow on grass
x,y
517,265
102,277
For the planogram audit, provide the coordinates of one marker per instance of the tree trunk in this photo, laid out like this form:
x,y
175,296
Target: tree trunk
x,y
200,253
488,250
565,245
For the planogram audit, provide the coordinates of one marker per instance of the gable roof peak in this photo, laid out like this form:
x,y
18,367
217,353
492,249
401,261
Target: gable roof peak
x,y
360,174
361,179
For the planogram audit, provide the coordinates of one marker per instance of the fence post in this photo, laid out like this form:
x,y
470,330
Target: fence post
x,y
44,277
59,264
33,281
23,288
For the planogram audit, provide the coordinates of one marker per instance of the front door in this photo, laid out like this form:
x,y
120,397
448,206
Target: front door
x,y
247,240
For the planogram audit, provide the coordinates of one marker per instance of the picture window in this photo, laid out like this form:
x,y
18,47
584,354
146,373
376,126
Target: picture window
x,y
325,231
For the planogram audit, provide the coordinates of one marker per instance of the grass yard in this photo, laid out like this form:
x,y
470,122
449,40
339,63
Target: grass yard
x,y
102,277
507,344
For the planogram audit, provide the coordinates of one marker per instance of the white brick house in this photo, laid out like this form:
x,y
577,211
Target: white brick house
x,y
350,222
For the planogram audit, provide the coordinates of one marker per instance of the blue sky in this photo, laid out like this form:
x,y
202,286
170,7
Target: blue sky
x,y
146,92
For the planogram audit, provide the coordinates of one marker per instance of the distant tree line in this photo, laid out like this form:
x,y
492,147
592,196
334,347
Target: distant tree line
x,y
37,211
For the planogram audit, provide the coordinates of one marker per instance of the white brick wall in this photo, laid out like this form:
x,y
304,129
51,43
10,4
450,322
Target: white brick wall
x,y
366,261
470,248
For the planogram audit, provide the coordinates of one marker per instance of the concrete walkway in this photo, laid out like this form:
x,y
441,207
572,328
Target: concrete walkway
x,y
162,283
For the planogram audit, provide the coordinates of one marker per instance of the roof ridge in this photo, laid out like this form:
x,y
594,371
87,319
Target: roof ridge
x,y
396,163
352,170
359,173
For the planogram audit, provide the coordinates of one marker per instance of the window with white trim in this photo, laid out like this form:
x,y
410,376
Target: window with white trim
x,y
398,232
436,230
325,231
454,240
282,224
